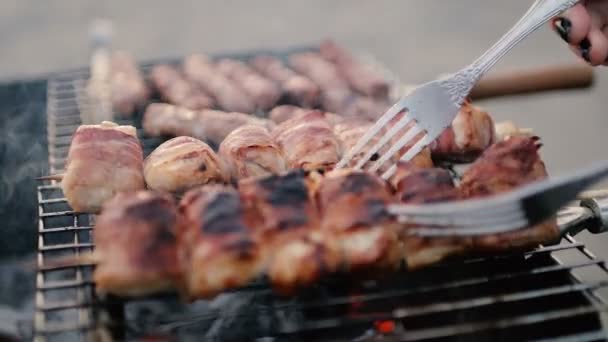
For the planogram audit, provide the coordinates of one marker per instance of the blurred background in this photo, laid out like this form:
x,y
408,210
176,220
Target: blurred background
x,y
416,39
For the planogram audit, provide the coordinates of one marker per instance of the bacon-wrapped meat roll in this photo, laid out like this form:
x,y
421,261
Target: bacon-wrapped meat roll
x,y
175,89
136,245
337,97
283,113
419,185
296,88
360,77
182,163
286,219
349,131
502,167
129,90
265,93
352,208
102,160
308,142
471,132
207,125
250,151
228,94
218,251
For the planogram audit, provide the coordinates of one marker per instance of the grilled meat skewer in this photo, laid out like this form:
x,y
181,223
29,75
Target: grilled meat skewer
x,y
250,151
182,163
128,88
207,125
298,89
175,89
218,250
264,92
102,161
136,245
228,94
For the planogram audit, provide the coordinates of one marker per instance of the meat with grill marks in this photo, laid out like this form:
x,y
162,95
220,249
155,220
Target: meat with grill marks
x,y
284,217
182,163
229,95
505,166
359,76
211,126
308,142
250,151
264,92
218,249
102,160
136,245
296,88
175,89
352,206
418,185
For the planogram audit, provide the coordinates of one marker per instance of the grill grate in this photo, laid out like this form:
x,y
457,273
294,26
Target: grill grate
x,y
541,294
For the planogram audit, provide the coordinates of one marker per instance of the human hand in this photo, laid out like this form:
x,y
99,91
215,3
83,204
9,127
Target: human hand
x,y
585,28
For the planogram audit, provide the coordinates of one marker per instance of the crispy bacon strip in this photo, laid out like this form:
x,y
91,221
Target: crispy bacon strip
x,y
352,208
129,90
207,125
264,92
250,151
471,132
228,94
175,89
136,246
285,218
102,160
297,89
308,142
359,76
502,167
182,163
217,249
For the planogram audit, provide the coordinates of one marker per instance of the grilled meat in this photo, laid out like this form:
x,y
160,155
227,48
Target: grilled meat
x,y
352,208
228,94
359,76
296,88
285,218
417,185
308,142
349,131
136,246
217,248
502,167
207,125
250,151
283,113
128,88
175,89
471,132
182,163
102,160
264,92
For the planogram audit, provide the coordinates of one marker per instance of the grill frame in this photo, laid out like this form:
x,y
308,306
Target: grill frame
x,y
95,317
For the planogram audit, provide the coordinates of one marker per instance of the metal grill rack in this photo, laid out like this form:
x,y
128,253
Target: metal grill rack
x,y
543,294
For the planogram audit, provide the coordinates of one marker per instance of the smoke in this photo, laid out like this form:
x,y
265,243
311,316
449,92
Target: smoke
x,y
23,156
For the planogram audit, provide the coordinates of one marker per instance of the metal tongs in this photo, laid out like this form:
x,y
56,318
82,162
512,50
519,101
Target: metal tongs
x,y
431,107
523,207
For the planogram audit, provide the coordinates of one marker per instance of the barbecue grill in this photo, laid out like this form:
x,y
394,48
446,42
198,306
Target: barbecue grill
x,y
537,295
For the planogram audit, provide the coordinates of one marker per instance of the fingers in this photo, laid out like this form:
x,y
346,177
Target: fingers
x,y
573,25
